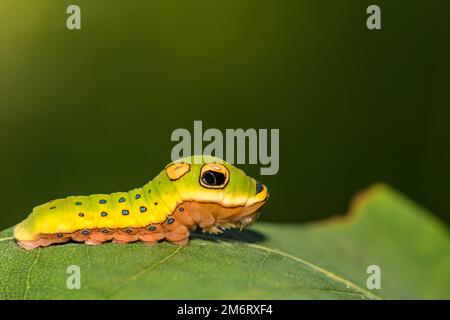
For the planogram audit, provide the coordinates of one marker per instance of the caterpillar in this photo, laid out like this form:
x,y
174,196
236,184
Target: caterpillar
x,y
194,192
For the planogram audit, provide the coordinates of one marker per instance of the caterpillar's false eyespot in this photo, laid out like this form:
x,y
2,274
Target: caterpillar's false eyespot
x,y
214,176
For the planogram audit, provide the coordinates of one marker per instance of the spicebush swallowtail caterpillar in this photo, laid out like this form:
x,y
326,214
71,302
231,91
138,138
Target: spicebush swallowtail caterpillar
x,y
197,191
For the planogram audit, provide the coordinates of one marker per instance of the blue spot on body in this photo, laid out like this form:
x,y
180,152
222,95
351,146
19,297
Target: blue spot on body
x,y
85,232
103,201
78,203
143,209
104,214
138,196
170,221
122,199
125,212
81,214
259,187
152,228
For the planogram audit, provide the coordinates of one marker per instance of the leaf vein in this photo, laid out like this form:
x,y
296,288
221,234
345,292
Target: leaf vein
x,y
143,271
29,274
315,267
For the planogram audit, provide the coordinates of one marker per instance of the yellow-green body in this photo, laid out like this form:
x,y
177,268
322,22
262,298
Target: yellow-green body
x,y
159,197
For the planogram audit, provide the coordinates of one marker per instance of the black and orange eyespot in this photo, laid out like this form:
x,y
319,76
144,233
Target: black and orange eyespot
x,y
214,176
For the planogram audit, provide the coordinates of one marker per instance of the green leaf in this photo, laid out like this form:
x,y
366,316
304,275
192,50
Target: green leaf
x,y
325,260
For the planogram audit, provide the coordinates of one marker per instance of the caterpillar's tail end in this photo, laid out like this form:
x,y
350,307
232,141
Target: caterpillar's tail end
x,y
29,245
25,239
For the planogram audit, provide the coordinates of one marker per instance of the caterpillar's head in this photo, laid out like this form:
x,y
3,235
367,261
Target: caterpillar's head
x,y
211,186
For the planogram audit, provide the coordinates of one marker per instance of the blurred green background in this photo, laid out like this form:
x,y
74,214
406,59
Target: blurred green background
x,y
92,111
